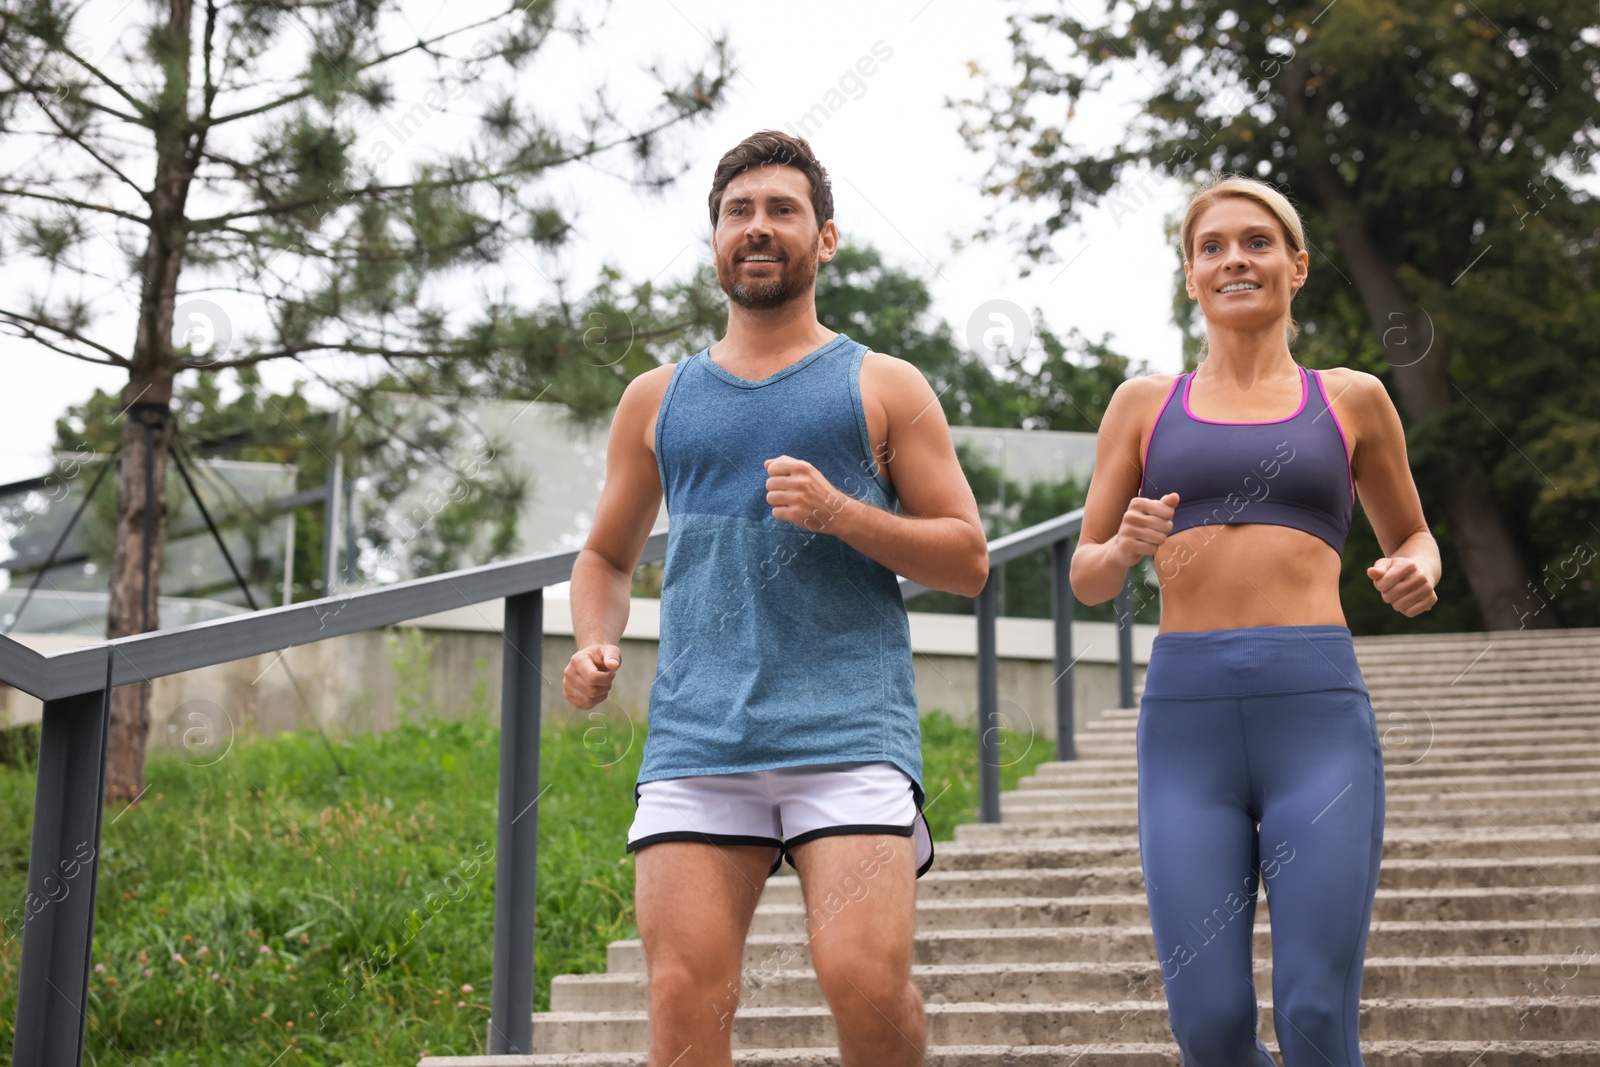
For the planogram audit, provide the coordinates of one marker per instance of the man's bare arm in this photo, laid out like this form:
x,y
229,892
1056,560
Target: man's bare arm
x,y
939,541
602,575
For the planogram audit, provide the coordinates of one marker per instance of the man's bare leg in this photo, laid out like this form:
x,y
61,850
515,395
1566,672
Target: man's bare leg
x,y
861,895
694,904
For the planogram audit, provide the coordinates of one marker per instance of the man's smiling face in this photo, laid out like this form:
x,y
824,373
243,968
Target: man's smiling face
x,y
767,243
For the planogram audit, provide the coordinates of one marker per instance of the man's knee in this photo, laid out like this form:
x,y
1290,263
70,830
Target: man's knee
x,y
683,986
865,985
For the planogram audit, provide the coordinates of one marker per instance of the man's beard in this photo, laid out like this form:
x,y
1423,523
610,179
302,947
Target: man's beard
x,y
795,278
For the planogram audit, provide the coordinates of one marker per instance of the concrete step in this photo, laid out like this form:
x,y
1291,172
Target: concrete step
x,y
1100,881
1467,696
1118,1054
1124,743
1391,720
1414,801
1535,677
1106,791
1536,680
1055,982
1395,738
1114,771
1466,1019
1462,707
1064,776
1452,903
1408,757
1487,656
1463,819
1133,942
1510,709
1395,742
1002,846
1510,639
1466,638
1070,774
1401,763
1476,680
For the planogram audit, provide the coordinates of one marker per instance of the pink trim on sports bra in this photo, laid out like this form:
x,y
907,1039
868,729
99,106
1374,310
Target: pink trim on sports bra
x,y
1143,459
1343,442
1153,427
1305,395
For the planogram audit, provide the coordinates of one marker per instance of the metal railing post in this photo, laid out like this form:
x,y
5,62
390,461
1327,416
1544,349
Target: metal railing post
x,y
63,869
516,857
988,705
1061,608
1125,643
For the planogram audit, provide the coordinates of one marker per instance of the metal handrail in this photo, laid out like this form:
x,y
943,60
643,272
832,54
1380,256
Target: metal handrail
x,y
76,684
203,644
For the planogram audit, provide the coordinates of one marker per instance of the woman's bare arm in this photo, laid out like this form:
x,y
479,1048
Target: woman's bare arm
x,y
1410,568
1119,527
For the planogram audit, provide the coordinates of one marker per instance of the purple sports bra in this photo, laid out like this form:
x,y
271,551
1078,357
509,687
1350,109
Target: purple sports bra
x,y
1284,472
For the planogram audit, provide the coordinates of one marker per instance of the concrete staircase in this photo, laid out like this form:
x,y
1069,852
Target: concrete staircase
x,y
1033,943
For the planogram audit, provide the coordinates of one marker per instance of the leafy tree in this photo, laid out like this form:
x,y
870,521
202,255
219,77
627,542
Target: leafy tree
x,y
1438,151
206,153
889,309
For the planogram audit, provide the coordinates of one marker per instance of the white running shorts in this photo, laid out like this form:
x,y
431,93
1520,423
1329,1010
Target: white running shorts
x,y
782,807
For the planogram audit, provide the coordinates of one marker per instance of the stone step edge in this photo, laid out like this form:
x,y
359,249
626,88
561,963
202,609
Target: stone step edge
x,y
1402,757
984,1007
1128,740
1580,783
788,880
1121,899
1378,1054
1120,823
1581,798
1470,766
1262,926
1508,708
1083,839
1094,966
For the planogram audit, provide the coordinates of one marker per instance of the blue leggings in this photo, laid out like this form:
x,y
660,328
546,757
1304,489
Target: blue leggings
x,y
1259,765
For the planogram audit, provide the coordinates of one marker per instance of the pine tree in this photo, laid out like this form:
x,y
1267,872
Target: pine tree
x,y
232,178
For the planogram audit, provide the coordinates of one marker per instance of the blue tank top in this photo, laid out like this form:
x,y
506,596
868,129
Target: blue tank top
x,y
1283,472
780,646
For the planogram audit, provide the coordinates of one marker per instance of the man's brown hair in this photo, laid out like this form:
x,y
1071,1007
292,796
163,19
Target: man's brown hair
x,y
773,148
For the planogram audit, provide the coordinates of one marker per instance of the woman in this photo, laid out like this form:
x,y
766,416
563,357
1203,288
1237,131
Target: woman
x,y
1259,762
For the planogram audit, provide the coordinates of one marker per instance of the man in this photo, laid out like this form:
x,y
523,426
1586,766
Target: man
x,y
783,718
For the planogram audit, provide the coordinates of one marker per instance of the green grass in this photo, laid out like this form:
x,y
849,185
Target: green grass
x,y
266,903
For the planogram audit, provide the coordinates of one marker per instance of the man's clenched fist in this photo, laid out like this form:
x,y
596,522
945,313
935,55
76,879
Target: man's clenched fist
x,y
799,493
589,674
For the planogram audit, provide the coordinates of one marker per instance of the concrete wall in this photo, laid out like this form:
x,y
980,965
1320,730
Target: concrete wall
x,y
451,663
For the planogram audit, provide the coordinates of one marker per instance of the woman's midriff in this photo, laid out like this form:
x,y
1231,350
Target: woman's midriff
x,y
1247,574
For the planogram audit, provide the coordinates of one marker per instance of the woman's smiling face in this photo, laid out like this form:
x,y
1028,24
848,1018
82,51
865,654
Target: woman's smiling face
x,y
1241,267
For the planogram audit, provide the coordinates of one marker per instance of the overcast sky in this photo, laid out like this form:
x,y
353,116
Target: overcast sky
x,y
903,179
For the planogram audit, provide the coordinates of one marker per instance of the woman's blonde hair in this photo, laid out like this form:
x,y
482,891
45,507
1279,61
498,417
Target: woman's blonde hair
x,y
1247,189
